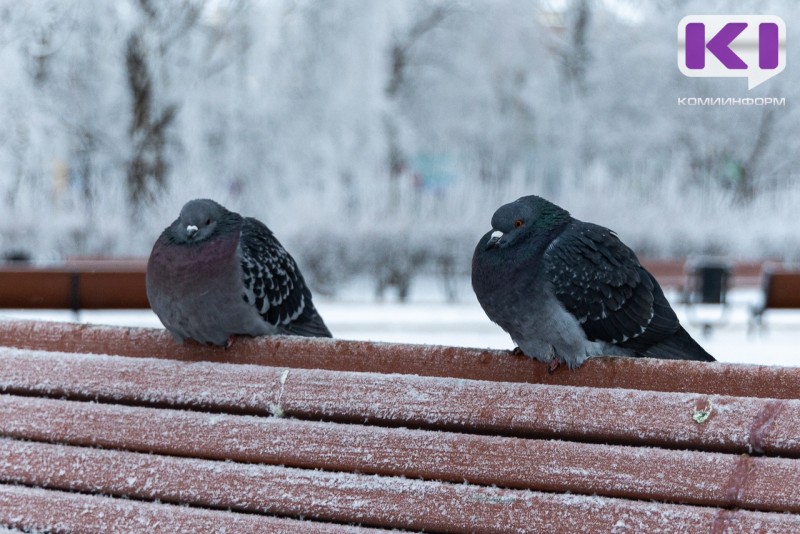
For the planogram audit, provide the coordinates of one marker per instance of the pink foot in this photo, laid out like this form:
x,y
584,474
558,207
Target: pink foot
x,y
230,341
517,352
553,365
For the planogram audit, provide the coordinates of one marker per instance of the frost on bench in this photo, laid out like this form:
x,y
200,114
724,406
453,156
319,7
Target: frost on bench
x,y
275,433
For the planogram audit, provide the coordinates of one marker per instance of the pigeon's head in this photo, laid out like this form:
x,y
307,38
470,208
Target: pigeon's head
x,y
527,219
198,220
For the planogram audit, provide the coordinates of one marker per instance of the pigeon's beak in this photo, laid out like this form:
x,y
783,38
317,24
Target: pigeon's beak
x,y
493,239
191,230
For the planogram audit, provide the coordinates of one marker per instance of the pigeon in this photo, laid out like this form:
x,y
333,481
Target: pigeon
x,y
568,290
213,275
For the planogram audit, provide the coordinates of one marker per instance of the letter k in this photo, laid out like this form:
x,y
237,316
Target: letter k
x,y
719,45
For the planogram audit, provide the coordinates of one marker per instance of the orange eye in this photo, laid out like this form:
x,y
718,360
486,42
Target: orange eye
x,y
518,223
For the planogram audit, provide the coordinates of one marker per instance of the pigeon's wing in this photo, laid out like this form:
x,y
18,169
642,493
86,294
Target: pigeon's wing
x,y
274,285
599,280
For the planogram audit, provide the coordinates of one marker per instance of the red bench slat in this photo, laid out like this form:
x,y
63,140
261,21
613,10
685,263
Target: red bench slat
x,y
492,365
547,465
736,424
58,511
343,497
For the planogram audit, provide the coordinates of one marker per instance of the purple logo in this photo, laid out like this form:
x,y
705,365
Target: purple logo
x,y
747,46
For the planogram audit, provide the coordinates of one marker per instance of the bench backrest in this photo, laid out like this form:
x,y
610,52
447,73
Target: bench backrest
x,y
782,289
72,289
106,429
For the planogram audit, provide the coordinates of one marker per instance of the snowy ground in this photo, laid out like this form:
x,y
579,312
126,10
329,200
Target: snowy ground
x,y
428,319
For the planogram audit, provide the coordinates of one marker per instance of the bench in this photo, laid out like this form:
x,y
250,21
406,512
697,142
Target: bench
x,y
121,430
676,274
781,291
75,285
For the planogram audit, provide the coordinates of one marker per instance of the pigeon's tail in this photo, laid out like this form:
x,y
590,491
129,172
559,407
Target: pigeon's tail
x,y
309,324
679,346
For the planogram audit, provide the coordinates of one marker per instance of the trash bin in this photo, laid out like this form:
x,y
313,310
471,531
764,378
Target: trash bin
x,y
712,282
707,288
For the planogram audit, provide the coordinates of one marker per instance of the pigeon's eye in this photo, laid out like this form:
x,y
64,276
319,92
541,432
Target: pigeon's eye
x,y
208,221
518,223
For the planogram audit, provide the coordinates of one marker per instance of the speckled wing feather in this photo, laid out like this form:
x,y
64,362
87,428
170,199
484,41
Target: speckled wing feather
x,y
600,281
274,285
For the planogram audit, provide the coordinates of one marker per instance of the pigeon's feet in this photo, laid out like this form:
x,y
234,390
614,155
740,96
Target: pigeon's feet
x,y
517,352
553,365
229,343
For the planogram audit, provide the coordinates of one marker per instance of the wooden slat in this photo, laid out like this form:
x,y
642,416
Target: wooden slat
x,y
634,472
747,273
735,424
45,510
95,264
112,290
782,290
500,366
669,273
70,288
344,497
37,290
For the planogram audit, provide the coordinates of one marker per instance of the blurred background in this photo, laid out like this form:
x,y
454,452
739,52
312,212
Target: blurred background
x,y
377,137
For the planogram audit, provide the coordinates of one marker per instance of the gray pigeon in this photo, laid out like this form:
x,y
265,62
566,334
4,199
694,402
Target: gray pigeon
x,y
567,290
214,274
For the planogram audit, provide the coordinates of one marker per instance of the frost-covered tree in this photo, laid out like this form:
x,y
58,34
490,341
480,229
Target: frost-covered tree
x,y
377,137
